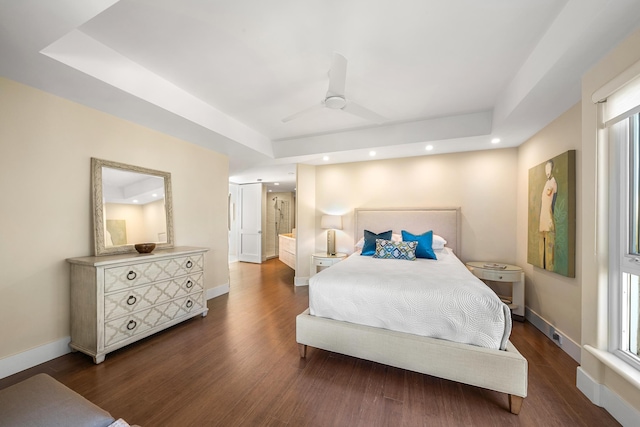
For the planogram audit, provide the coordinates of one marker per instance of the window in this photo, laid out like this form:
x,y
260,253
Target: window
x,y
624,213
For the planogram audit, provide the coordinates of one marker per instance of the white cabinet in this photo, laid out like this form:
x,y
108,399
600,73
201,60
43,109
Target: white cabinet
x,y
287,249
504,273
323,260
119,299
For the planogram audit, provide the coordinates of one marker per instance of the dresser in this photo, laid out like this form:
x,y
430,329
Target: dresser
x,y
120,299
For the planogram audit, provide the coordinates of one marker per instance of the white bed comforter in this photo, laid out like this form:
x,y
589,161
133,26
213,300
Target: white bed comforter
x,y
439,299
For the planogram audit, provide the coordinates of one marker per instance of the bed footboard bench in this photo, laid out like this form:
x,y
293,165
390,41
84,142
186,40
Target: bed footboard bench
x,y
502,371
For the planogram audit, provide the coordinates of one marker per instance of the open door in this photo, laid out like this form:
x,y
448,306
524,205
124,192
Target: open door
x,y
250,227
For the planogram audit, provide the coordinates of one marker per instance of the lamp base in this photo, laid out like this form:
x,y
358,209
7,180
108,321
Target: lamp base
x,y
331,242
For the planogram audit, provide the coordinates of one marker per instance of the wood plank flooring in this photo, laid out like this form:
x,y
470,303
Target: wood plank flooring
x,y
240,366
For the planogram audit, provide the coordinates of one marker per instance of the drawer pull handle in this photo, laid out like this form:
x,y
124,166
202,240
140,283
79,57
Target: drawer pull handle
x,y
131,300
189,284
189,304
131,325
131,275
501,277
189,264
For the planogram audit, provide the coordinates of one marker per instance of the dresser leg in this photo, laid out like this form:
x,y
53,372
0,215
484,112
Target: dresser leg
x,y
98,358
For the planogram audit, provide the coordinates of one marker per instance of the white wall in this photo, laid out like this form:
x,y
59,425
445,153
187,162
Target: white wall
x,y
593,205
481,183
46,145
553,297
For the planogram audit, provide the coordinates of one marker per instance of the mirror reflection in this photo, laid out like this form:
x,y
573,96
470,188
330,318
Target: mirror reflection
x,y
131,205
133,208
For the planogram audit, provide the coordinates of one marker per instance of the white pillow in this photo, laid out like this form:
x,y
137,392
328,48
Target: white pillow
x,y
394,238
438,242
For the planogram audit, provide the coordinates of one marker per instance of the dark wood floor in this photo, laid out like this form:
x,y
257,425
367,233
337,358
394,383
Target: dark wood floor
x,y
240,366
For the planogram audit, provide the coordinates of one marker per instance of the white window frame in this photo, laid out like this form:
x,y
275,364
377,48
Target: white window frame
x,y
621,261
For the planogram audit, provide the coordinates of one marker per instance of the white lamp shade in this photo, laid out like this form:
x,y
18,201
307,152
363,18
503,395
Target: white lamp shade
x,y
331,221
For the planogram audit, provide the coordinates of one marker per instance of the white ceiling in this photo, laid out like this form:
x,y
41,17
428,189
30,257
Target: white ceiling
x,y
223,74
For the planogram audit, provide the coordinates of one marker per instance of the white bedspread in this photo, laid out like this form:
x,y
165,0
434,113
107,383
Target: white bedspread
x,y
440,299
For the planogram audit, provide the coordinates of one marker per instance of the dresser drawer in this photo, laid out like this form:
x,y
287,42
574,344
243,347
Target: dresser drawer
x,y
140,322
326,262
497,275
134,299
131,275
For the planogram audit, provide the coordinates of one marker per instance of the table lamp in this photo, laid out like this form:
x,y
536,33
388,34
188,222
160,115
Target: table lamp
x,y
331,223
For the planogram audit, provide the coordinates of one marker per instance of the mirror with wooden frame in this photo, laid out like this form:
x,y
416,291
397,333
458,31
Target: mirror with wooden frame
x,y
131,205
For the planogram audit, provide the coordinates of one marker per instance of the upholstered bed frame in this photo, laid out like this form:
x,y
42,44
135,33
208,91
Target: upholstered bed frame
x,y
502,371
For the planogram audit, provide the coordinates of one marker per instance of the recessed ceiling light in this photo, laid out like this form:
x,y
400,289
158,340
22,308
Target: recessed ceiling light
x,y
372,153
270,191
325,158
276,183
429,147
495,140
154,195
135,201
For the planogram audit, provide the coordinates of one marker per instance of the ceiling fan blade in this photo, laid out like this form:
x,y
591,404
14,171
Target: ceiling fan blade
x,y
337,75
360,111
303,112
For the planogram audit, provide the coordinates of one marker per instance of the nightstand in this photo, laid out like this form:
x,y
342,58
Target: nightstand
x,y
503,273
322,259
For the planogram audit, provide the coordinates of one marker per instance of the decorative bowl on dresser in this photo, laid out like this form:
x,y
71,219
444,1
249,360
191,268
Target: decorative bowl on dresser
x,y
144,248
119,299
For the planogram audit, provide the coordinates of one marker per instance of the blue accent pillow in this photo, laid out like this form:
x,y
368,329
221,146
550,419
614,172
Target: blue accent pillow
x,y
425,242
369,247
395,250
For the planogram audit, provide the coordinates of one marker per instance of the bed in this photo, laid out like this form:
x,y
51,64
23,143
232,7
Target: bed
x,y
477,364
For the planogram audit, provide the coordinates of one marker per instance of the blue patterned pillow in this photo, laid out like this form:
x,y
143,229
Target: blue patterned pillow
x,y
369,247
395,250
425,243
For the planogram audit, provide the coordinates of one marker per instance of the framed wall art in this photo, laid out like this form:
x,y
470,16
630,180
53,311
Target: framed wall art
x,y
552,214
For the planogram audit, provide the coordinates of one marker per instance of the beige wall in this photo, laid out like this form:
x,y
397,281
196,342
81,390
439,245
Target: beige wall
x,y
133,217
481,183
155,223
551,296
305,220
594,249
46,145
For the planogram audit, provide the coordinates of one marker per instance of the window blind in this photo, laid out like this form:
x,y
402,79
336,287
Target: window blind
x,y
623,103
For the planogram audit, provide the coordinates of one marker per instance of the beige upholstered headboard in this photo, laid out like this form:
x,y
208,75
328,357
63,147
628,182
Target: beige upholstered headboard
x,y
444,222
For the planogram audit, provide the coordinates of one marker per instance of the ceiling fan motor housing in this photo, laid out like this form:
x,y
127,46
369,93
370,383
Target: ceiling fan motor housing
x,y
335,102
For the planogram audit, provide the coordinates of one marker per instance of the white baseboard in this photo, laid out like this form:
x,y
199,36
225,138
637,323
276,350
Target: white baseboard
x,y
217,291
569,346
301,281
30,358
602,396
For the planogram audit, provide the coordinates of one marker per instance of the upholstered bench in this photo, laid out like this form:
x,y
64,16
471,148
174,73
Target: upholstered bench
x,y
43,401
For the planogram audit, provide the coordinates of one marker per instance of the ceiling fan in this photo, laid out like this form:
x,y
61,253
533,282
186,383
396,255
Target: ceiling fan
x,y
335,98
